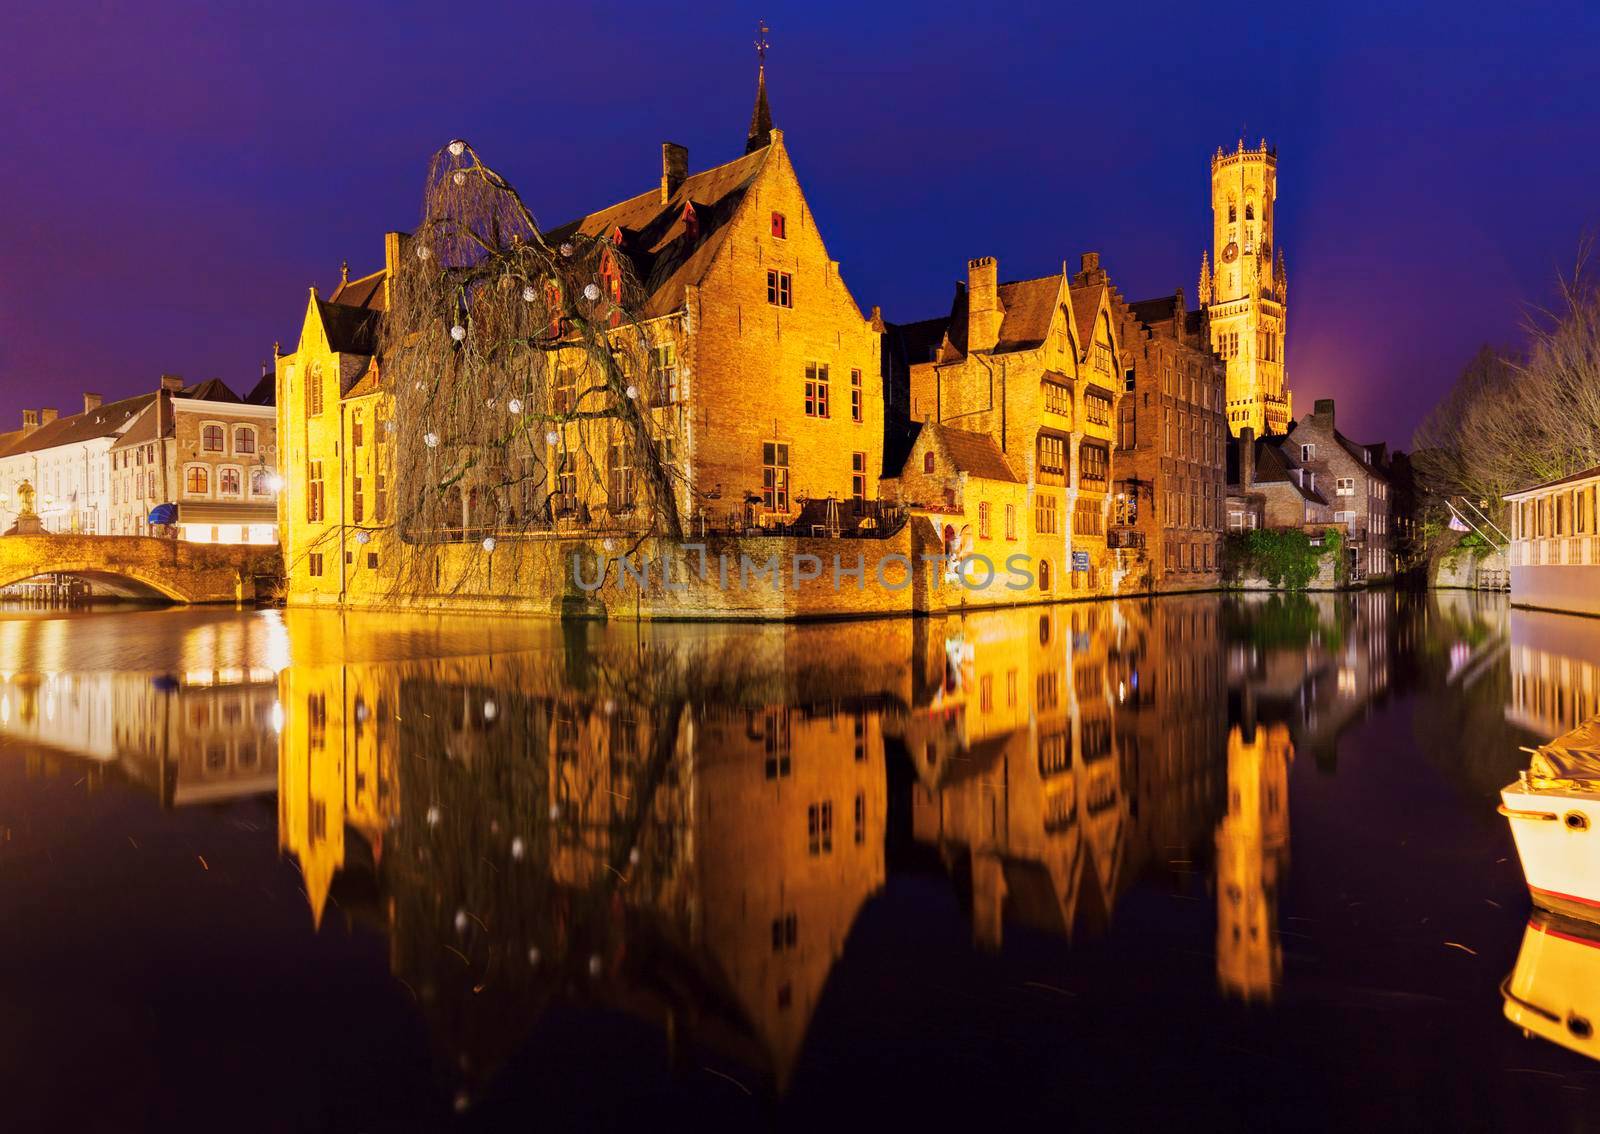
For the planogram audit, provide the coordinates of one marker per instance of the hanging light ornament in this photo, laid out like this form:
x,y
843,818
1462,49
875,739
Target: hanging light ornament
x,y
566,250
633,392
553,438
529,295
363,536
488,543
458,332
518,848
431,440
433,816
591,292
457,148
459,178
514,406
423,251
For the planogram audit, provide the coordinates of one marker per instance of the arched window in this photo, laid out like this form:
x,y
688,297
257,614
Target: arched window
x,y
197,481
211,438
228,481
244,439
927,463
1249,210
1233,212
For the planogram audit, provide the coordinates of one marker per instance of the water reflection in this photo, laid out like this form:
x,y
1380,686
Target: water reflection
x,y
685,824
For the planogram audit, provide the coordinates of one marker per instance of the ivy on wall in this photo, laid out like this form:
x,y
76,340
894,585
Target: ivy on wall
x,y
1286,559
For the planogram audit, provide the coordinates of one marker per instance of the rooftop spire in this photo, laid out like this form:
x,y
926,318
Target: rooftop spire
x,y
761,118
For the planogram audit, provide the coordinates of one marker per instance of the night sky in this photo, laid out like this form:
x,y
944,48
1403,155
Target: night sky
x,y
176,175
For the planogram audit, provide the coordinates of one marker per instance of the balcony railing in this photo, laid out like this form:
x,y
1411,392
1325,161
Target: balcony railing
x,y
1125,538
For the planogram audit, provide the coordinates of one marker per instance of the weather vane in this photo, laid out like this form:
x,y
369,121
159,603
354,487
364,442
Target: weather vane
x,y
761,40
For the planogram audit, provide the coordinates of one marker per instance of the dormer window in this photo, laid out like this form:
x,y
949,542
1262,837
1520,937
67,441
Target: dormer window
x,y
1308,453
780,228
691,221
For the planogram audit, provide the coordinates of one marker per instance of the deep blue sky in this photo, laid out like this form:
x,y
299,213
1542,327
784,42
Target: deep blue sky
x,y
176,175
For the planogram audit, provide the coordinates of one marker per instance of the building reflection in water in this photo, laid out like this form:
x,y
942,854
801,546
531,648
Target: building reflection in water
x,y
684,823
205,733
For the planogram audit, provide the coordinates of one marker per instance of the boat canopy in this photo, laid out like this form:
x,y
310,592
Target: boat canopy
x,y
1571,760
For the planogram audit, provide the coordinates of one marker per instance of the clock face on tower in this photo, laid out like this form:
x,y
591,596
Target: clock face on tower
x,y
1230,253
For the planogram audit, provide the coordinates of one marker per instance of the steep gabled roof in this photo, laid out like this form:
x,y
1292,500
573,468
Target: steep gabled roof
x,y
1273,467
1086,300
367,292
103,421
1029,306
211,390
143,428
975,454
350,330
264,392
664,253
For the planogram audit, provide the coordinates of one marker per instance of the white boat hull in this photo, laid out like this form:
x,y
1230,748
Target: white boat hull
x,y
1558,840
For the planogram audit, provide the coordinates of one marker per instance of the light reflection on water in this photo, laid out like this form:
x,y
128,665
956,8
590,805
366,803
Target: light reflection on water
x,y
684,825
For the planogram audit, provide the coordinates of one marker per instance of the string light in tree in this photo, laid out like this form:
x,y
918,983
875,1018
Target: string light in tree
x,y
431,440
458,332
488,543
514,406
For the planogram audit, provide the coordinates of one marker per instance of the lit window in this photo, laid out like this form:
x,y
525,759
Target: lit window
x,y
197,482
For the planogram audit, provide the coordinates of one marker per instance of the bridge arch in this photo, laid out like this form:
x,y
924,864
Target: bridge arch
x,y
145,565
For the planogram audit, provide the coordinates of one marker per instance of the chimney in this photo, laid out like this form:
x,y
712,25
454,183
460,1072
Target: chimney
x,y
46,416
30,421
1323,410
171,383
91,402
983,304
1089,270
1247,458
391,268
674,168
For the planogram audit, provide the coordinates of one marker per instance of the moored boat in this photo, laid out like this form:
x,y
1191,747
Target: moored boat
x,y
1554,811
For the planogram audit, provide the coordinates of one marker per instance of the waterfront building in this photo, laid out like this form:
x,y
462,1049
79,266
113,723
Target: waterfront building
x,y
206,450
1037,366
1246,296
65,461
1314,479
773,379
1171,445
100,472
1554,553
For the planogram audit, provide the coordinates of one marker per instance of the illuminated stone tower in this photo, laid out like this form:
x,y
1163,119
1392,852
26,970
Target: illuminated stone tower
x,y
1244,287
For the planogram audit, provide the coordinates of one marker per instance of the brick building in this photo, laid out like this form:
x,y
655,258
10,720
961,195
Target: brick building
x,y
206,450
1171,444
1037,366
1247,297
775,375
1316,478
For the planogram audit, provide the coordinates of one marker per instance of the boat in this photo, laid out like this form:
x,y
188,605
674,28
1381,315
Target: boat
x,y
1554,990
1554,811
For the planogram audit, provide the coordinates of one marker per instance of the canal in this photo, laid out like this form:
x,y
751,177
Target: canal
x,y
1215,861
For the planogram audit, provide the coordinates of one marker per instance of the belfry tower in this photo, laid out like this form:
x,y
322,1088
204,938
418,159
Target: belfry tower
x,y
1244,288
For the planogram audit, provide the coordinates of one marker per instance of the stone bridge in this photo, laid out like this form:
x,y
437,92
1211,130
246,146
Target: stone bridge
x,y
143,566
